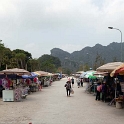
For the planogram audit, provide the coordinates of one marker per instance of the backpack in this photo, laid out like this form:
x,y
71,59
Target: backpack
x,y
68,86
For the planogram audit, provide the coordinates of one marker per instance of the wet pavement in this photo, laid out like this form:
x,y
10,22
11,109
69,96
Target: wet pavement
x,y
52,106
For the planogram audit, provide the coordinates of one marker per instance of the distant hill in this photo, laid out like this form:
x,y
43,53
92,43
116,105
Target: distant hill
x,y
92,56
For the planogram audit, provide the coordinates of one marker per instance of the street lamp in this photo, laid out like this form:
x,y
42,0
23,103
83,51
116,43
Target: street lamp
x,y
121,38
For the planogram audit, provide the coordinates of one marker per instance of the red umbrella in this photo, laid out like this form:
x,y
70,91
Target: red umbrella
x,y
117,70
120,71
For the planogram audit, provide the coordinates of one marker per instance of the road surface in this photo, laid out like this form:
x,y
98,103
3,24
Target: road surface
x,y
52,106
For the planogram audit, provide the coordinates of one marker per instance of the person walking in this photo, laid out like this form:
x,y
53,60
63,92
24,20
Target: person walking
x,y
72,81
68,87
104,91
98,91
81,82
78,82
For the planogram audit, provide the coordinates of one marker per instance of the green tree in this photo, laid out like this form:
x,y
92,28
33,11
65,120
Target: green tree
x,y
49,63
81,67
66,71
2,48
86,67
34,65
98,61
22,57
6,58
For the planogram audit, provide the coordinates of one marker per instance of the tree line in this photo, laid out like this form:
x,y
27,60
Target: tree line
x,y
22,59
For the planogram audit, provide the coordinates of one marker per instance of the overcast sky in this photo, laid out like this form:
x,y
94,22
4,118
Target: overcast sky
x,y
37,26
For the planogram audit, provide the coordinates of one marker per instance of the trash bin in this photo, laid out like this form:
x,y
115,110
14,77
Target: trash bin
x,y
119,104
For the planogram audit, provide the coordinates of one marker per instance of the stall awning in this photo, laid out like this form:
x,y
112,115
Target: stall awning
x,y
41,73
15,71
118,70
109,67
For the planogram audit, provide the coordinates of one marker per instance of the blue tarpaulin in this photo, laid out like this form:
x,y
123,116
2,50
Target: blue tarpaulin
x,y
33,75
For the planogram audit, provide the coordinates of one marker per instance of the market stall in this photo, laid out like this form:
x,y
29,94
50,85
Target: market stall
x,y
119,95
109,67
112,82
14,86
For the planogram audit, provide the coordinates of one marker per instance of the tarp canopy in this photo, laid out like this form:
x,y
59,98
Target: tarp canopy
x,y
41,73
31,76
109,67
26,77
34,74
15,71
79,72
49,74
83,74
100,73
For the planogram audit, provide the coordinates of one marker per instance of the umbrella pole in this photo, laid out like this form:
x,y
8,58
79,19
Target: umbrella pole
x,y
116,87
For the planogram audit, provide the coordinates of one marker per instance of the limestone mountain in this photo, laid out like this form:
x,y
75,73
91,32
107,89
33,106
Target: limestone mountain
x,y
91,56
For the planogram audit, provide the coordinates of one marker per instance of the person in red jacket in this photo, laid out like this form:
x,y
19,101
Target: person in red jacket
x,y
98,90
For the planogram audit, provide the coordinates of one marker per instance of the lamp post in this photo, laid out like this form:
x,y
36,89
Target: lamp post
x,y
121,38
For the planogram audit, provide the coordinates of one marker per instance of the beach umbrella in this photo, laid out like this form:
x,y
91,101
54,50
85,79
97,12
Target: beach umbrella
x,y
100,73
15,71
50,74
92,77
41,73
89,74
109,67
26,76
34,74
79,72
118,70
82,75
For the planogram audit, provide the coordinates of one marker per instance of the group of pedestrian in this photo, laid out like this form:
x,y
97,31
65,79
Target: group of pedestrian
x,y
101,88
79,82
71,81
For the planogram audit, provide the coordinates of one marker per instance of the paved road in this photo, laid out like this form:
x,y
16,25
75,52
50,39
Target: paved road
x,y
52,106
80,108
